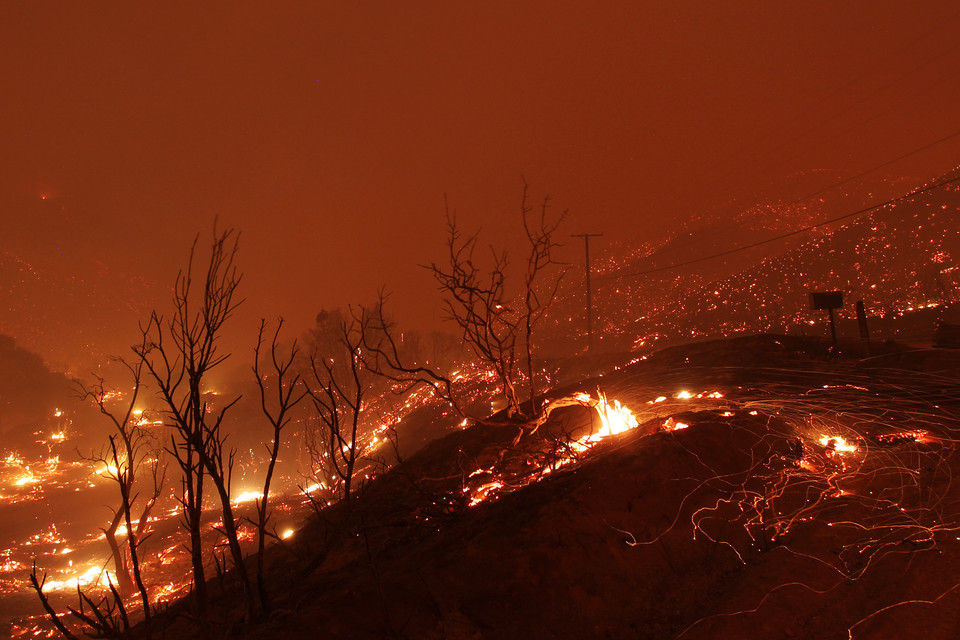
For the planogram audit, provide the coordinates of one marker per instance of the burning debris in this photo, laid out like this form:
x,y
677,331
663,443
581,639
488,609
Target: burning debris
x,y
754,469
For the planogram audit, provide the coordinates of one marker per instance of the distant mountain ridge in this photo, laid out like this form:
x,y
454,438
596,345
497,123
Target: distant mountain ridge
x,y
898,257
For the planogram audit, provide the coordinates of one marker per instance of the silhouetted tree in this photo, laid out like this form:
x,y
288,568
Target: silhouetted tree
x,y
277,404
105,617
179,354
340,384
538,298
131,452
493,324
477,302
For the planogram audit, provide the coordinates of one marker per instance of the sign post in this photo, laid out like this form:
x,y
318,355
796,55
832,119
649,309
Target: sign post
x,y
828,300
862,321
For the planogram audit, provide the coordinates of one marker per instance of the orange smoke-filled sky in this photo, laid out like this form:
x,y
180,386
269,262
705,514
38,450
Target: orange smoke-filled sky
x,y
328,133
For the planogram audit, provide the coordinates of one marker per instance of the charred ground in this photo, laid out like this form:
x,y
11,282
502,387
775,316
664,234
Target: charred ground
x,y
751,520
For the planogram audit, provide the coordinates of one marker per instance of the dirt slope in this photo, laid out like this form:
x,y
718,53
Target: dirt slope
x,y
813,500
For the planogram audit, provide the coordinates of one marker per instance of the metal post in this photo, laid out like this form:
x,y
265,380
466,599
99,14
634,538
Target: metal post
x,y
833,327
862,321
586,249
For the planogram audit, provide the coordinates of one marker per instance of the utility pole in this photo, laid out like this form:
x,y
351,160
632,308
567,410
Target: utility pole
x,y
586,247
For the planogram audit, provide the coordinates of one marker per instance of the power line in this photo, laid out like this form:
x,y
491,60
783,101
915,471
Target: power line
x,y
756,147
881,165
854,214
729,227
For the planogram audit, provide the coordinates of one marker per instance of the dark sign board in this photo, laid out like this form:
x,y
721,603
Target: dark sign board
x,y
826,299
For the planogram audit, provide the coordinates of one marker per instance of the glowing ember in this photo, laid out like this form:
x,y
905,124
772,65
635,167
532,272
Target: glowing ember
x,y
286,534
25,480
674,425
903,437
481,493
10,565
248,496
614,418
838,444
684,395
92,576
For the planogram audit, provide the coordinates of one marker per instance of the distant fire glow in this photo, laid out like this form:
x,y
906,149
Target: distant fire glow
x,y
644,387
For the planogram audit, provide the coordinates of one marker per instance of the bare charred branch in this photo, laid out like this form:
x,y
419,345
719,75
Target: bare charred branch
x,y
540,237
37,584
491,323
129,449
338,399
287,395
178,354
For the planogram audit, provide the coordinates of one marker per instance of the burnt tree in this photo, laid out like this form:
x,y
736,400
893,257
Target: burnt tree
x,y
280,392
178,354
537,297
338,393
494,324
131,451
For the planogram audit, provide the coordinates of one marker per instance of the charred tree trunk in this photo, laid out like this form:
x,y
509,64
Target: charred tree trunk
x,y
287,396
120,566
339,402
179,354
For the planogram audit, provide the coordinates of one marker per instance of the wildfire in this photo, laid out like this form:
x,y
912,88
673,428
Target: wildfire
x,y
107,470
92,576
481,493
8,565
674,425
838,444
247,496
23,480
316,486
614,418
14,460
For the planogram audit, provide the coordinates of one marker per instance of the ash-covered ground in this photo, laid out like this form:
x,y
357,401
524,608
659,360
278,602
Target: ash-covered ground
x,y
768,487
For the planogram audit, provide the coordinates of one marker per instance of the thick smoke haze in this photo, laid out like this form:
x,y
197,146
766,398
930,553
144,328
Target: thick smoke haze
x,y
329,133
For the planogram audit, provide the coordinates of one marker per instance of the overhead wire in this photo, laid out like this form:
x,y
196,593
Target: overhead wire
x,y
947,22
733,226
789,234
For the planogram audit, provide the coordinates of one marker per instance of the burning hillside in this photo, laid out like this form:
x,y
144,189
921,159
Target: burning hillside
x,y
745,487
898,259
